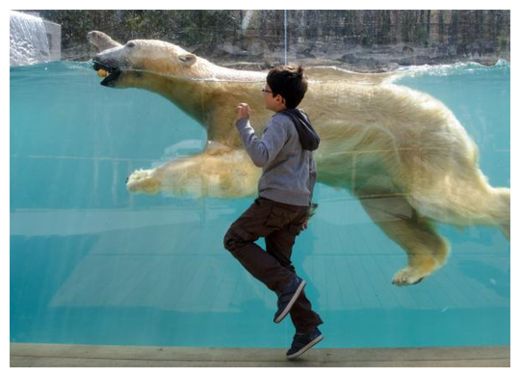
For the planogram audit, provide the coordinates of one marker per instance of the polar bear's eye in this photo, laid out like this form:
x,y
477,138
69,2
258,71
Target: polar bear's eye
x,y
130,44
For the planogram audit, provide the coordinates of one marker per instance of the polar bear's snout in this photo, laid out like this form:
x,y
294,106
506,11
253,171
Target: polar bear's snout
x,y
110,72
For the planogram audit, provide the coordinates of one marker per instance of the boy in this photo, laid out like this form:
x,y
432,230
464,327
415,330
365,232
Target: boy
x,y
281,211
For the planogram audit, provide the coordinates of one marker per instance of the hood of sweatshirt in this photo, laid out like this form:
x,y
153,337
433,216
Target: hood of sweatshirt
x,y
309,138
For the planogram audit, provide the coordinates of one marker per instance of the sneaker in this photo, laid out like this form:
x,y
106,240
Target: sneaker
x,y
303,342
288,297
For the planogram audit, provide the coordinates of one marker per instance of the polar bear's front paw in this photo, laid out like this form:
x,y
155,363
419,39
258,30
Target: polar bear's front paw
x,y
143,181
408,276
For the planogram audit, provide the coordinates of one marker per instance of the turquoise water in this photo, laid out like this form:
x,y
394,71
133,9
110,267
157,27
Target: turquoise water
x,y
92,264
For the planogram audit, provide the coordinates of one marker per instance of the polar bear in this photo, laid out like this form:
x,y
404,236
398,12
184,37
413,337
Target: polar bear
x,y
401,152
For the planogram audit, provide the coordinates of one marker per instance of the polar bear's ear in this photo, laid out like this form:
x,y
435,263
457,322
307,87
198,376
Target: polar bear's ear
x,y
187,59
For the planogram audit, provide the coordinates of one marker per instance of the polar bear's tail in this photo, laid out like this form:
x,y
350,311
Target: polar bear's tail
x,y
487,206
465,201
490,206
503,204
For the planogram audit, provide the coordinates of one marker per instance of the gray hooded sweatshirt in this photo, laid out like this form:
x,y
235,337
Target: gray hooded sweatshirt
x,y
288,171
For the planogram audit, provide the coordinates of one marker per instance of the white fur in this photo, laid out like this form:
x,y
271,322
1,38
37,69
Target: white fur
x,y
402,152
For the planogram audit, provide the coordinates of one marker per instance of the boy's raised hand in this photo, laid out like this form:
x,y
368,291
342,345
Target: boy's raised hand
x,y
243,111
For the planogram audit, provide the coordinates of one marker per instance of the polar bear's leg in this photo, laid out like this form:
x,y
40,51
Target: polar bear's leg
x,y
221,174
427,250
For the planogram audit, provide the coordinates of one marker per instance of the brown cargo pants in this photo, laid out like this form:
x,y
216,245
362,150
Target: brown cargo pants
x,y
279,224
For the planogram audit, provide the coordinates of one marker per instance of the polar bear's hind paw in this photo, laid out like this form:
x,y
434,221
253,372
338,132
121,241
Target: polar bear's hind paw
x,y
408,276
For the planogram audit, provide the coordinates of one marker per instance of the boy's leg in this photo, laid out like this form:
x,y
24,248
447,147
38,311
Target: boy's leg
x,y
240,241
279,244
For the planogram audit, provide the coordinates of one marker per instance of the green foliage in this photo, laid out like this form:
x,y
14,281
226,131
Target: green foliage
x,y
206,30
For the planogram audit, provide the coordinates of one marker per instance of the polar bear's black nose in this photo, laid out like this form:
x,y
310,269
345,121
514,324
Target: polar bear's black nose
x,y
127,180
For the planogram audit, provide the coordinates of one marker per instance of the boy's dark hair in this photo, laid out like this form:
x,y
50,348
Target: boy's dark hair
x,y
289,82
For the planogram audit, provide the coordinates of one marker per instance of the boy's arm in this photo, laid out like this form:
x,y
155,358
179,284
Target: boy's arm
x,y
312,175
312,181
262,150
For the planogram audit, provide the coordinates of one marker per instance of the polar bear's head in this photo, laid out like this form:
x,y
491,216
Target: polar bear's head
x,y
124,65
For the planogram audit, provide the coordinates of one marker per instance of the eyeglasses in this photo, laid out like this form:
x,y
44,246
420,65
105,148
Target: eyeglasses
x,y
266,91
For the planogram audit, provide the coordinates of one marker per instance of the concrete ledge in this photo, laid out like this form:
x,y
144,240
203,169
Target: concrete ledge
x,y
71,355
